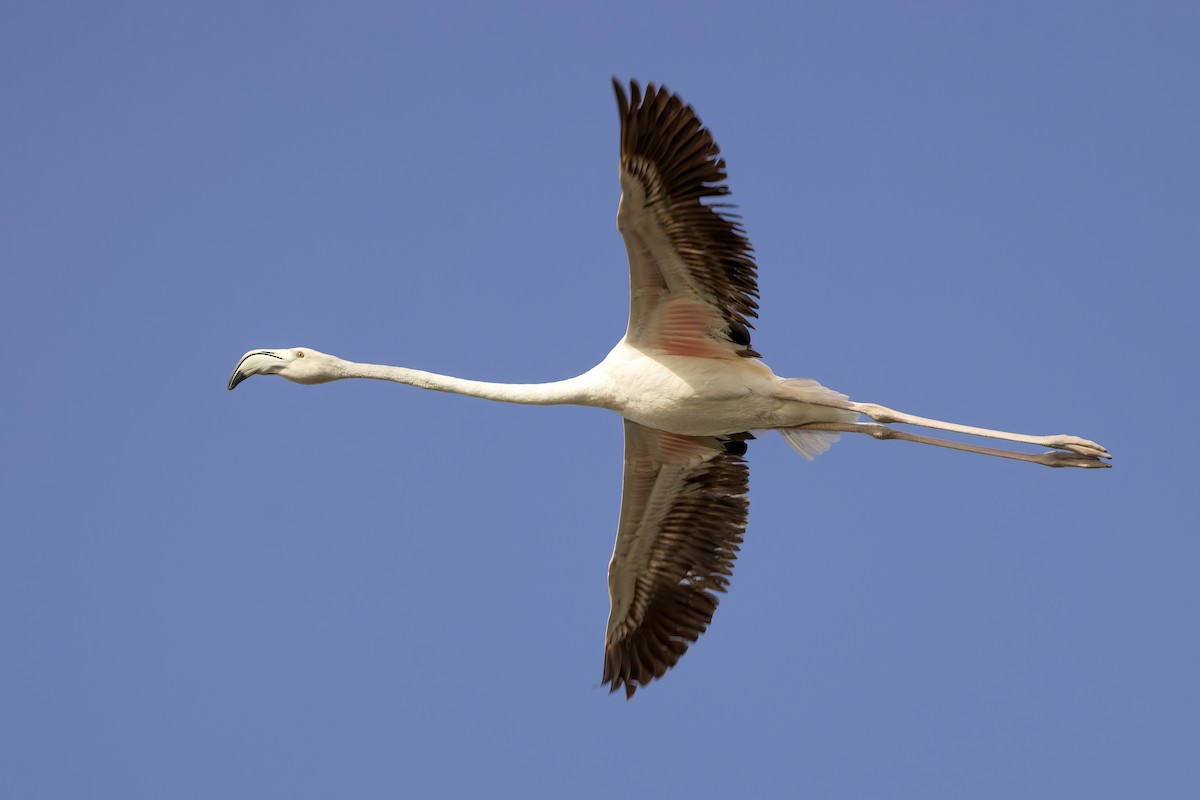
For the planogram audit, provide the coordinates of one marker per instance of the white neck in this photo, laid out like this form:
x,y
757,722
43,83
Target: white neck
x,y
573,391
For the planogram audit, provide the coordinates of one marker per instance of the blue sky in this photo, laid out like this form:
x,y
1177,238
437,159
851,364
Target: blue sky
x,y
984,213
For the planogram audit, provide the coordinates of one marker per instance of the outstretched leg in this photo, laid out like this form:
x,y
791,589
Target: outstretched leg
x,y
1060,441
883,414
1054,458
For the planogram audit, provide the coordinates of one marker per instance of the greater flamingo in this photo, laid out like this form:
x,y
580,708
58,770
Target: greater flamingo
x,y
689,387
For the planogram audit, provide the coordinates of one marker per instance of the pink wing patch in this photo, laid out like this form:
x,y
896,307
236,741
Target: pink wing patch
x,y
671,448
683,326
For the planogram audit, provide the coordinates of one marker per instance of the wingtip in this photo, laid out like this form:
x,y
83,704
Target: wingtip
x,y
615,679
615,684
622,99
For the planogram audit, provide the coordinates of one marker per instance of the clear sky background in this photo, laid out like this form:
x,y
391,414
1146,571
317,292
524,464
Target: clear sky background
x,y
981,212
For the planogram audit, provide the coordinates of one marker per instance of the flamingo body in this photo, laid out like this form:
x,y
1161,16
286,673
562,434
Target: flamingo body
x,y
689,386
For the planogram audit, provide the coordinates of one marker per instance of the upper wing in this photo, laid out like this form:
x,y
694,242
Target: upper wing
x,y
683,511
693,281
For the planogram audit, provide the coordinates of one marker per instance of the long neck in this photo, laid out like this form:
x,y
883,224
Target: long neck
x,y
572,391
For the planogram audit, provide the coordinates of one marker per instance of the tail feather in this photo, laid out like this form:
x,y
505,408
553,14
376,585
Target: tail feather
x,y
809,444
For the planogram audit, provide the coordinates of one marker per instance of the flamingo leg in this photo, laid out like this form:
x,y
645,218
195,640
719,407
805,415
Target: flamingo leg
x,y
883,414
1053,458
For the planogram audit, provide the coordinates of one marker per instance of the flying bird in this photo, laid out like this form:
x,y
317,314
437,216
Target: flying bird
x,y
689,386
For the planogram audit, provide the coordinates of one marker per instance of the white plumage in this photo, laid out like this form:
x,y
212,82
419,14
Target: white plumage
x,y
689,386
